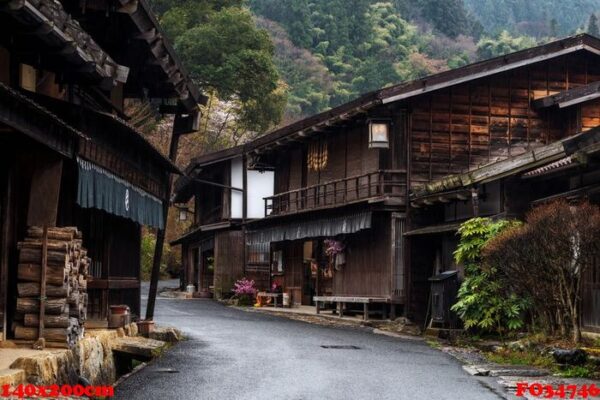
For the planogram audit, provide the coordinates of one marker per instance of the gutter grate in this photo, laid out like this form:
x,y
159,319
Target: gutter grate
x,y
166,370
340,346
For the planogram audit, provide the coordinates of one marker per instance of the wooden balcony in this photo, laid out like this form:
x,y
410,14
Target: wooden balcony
x,y
378,185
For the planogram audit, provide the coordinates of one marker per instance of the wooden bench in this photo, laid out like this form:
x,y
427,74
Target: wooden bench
x,y
342,300
274,296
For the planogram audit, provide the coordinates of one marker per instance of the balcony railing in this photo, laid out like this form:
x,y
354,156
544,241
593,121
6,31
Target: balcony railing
x,y
373,185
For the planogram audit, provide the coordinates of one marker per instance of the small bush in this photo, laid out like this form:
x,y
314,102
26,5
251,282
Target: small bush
x,y
576,372
485,301
245,291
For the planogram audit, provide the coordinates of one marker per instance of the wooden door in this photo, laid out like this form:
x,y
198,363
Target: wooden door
x,y
590,319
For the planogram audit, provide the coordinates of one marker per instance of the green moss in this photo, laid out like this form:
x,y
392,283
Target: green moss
x,y
577,372
521,358
433,343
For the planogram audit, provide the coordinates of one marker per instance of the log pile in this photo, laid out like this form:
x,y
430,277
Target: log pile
x,y
65,286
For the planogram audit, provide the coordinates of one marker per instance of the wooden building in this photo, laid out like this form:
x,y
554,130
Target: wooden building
x,y
225,194
68,156
568,168
350,180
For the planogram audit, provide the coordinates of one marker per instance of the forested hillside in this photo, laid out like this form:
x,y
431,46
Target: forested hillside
x,y
534,17
367,44
268,62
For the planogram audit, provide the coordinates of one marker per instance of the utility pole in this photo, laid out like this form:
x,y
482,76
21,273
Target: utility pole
x,y
183,124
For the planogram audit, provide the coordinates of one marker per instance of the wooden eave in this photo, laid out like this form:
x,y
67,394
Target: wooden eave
x,y
25,115
182,190
321,122
73,113
569,97
45,22
445,197
199,230
529,160
434,229
168,78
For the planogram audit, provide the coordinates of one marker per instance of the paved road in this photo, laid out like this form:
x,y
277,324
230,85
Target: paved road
x,y
234,354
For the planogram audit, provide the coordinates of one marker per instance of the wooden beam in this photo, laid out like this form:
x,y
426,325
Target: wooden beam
x,y
129,7
44,193
148,36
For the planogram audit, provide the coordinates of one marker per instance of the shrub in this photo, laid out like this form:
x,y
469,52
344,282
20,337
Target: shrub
x,y
485,301
546,259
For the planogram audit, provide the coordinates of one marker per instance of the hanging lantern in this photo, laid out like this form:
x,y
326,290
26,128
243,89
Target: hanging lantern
x,y
379,134
183,212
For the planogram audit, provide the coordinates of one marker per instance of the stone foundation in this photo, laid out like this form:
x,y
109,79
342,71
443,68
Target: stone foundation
x,y
92,358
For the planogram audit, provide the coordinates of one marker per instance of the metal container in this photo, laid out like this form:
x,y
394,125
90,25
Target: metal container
x,y
444,289
286,299
119,316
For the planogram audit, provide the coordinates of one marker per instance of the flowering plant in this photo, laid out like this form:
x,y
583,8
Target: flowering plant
x,y
244,287
333,247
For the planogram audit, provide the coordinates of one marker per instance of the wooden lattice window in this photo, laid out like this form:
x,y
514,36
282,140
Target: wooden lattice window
x,y
317,155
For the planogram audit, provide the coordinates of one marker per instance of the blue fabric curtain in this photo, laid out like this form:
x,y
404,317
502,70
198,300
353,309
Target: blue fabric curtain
x,y
98,188
324,227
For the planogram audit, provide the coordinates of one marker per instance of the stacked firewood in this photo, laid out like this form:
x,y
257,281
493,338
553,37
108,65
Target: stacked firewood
x,y
66,285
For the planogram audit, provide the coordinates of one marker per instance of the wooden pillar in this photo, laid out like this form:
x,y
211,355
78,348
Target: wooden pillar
x,y
5,212
365,311
181,126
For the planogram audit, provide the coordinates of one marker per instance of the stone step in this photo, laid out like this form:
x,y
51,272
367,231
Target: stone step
x,y
11,377
139,347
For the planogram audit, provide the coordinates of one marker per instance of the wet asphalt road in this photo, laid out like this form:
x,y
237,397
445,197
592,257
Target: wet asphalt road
x,y
234,354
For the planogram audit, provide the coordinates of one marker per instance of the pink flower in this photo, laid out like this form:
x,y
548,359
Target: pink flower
x,y
244,287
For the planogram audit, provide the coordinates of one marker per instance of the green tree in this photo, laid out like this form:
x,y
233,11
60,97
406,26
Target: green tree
x,y
592,27
227,54
485,301
309,82
553,27
448,16
504,43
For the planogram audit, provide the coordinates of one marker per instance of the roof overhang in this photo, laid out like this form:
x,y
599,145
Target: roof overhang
x,y
130,30
68,48
491,67
25,115
587,142
73,114
569,97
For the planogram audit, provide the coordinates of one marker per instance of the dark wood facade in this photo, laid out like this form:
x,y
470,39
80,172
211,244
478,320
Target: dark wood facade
x,y
62,99
449,135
